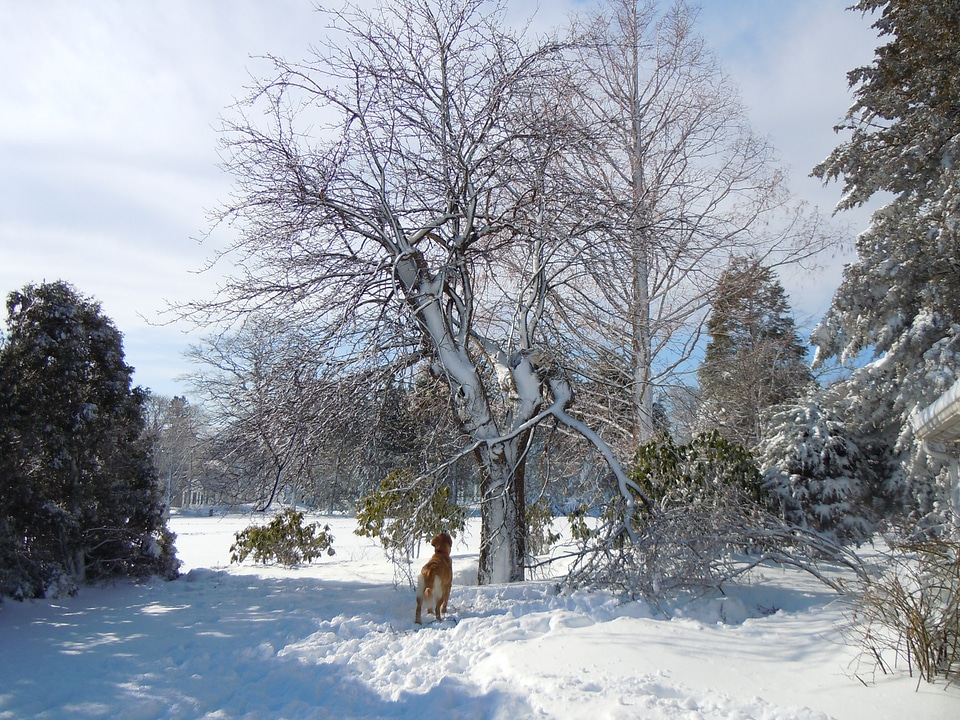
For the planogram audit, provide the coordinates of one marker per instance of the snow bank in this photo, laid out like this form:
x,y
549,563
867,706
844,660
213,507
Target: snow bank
x,y
337,640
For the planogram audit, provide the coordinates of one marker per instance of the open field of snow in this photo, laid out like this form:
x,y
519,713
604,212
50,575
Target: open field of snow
x,y
336,640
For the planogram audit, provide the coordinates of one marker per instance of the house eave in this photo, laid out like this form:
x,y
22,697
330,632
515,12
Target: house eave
x,y
939,422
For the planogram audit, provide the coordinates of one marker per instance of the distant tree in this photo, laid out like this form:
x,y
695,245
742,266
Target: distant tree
x,y
754,359
681,405
408,427
176,430
288,425
900,300
79,498
261,389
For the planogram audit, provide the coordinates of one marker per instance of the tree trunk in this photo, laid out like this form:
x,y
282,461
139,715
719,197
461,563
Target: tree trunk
x,y
71,537
642,390
500,461
503,512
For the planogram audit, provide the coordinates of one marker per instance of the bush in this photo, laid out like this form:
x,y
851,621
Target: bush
x,y
709,470
706,527
911,612
285,540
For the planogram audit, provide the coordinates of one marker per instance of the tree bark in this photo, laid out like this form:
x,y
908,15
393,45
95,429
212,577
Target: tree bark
x,y
503,514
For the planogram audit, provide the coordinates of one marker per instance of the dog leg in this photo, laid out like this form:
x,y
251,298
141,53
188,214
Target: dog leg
x,y
446,595
437,594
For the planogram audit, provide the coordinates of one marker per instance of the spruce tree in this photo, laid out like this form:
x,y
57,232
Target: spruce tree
x,y
900,300
754,359
79,497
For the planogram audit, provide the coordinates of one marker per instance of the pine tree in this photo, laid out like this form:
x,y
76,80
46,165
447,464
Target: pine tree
x,y
754,359
79,495
813,471
901,299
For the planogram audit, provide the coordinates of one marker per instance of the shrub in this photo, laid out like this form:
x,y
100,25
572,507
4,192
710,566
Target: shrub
x,y
707,526
708,470
285,540
911,612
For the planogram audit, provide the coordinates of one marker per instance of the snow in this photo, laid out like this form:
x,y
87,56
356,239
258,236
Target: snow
x,y
336,639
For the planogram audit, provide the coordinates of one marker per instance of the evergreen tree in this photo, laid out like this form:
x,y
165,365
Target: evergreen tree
x,y
754,359
813,472
901,299
79,496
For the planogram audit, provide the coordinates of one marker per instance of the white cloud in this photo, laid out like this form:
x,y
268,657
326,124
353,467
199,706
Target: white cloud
x,y
108,149
791,59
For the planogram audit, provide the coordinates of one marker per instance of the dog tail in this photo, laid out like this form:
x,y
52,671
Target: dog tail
x,y
429,591
423,590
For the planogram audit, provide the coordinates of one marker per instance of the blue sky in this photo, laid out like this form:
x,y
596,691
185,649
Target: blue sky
x,y
108,142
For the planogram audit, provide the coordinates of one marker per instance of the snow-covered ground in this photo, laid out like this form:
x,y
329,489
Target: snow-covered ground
x,y
336,640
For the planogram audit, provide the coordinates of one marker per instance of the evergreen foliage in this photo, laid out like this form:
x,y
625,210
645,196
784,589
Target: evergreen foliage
x,y
754,359
814,473
709,524
404,511
79,498
709,470
901,299
285,540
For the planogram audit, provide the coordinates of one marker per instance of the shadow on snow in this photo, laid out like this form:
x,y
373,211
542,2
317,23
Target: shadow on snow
x,y
208,643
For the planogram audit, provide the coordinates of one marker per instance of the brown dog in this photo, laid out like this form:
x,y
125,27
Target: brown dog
x,y
436,578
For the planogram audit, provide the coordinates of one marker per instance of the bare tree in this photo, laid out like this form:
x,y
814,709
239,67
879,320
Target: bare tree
x,y
260,387
401,196
679,183
176,430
